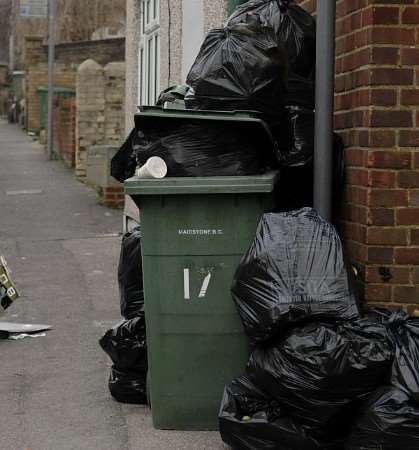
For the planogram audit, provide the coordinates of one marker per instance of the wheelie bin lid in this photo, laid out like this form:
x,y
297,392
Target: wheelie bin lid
x,y
252,184
158,116
203,185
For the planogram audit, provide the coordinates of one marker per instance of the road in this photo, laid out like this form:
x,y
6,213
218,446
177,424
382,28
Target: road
x,y
63,249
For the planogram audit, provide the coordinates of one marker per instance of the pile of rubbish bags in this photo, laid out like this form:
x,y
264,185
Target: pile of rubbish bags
x,y
262,61
319,375
126,342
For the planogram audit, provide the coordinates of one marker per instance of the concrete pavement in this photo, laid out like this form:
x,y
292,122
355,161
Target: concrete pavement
x,y
63,250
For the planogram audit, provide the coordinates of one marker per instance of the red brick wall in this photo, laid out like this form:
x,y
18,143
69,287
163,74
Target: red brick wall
x,y
377,112
64,132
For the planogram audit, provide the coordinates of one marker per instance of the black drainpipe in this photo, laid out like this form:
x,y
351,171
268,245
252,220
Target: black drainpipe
x,y
325,88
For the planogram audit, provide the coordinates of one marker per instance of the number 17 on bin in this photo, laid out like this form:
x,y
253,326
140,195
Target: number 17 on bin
x,y
187,285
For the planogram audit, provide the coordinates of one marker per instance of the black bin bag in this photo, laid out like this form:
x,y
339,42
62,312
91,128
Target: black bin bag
x,y
250,420
295,131
294,27
293,271
295,187
240,67
389,420
201,150
127,387
126,345
123,163
130,275
404,333
320,372
297,148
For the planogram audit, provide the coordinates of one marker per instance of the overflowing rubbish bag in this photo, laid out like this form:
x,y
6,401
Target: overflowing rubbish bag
x,y
319,371
293,271
192,149
198,145
130,275
388,420
240,67
126,345
404,333
250,420
127,387
294,27
123,164
8,291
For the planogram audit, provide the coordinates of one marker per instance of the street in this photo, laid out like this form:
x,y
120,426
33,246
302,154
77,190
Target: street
x,y
63,250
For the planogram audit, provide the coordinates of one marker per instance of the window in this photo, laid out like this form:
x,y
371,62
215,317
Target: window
x,y
149,53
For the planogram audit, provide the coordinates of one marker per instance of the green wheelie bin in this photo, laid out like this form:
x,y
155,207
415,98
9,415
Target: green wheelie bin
x,y
194,233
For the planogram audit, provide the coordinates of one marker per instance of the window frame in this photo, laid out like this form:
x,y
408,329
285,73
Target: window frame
x,y
149,52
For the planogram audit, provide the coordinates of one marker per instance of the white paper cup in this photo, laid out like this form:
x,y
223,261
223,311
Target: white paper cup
x,y
155,167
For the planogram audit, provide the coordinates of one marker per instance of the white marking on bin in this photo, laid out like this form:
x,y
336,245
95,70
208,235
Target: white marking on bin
x,y
204,287
186,284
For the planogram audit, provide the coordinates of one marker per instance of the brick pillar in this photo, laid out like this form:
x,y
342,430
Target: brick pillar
x,y
114,103
90,105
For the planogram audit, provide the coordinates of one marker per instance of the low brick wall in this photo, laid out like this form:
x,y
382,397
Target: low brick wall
x,y
113,197
100,108
98,168
68,58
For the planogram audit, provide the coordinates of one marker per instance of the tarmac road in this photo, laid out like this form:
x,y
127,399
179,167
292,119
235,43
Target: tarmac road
x,y
63,249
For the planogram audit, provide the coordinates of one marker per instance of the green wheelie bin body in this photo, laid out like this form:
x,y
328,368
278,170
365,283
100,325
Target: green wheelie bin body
x,y
195,231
